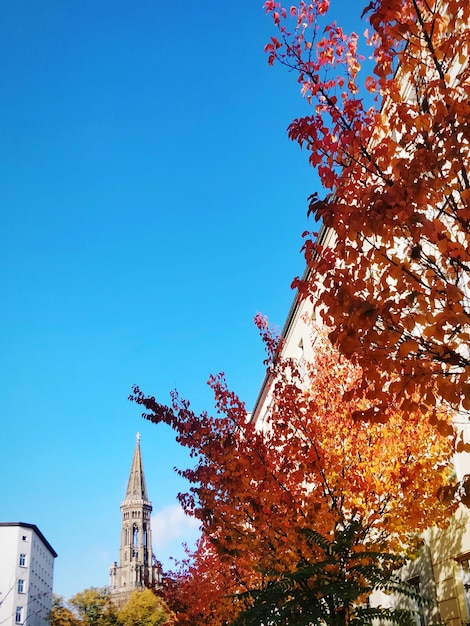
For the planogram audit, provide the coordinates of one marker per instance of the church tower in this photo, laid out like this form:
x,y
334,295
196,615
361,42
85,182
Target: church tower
x,y
136,570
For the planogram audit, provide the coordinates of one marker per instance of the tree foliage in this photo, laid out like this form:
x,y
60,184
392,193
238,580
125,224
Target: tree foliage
x,y
60,614
331,590
207,588
256,492
144,608
94,607
393,287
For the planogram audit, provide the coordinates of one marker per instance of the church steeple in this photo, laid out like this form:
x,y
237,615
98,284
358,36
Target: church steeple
x,y
136,569
136,487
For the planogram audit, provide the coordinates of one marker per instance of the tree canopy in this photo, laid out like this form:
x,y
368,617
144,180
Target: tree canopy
x,y
392,284
257,493
144,608
94,607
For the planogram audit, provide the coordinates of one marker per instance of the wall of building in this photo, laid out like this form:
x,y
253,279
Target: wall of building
x,y
26,575
8,574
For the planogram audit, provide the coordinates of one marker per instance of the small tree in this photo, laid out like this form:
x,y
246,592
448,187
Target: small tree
x,y
144,608
60,614
93,607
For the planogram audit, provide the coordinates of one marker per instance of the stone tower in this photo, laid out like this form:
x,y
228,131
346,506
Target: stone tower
x,y
136,569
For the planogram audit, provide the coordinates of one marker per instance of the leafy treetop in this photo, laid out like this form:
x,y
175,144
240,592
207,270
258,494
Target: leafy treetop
x,y
256,491
394,286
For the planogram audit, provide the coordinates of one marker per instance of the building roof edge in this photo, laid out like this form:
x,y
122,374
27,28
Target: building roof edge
x,y
36,530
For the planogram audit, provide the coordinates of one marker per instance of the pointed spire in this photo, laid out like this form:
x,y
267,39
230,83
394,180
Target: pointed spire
x,y
136,487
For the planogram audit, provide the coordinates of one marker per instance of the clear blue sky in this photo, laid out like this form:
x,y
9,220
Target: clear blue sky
x,y
151,205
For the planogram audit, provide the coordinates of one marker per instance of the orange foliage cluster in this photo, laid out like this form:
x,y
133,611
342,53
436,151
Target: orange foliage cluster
x,y
204,589
256,492
394,288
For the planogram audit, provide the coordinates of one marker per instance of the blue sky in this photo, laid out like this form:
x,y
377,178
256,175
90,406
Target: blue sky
x,y
151,205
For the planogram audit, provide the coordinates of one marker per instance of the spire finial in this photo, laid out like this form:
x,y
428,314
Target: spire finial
x,y
137,437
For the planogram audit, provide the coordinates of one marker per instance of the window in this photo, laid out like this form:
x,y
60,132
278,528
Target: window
x,y
135,542
20,585
18,613
301,359
465,576
418,606
23,560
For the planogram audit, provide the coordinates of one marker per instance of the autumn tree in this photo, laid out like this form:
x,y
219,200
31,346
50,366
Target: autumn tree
x,y
257,493
390,268
94,607
144,608
60,614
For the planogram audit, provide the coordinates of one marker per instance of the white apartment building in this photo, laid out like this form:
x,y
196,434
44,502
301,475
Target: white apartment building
x,y
26,575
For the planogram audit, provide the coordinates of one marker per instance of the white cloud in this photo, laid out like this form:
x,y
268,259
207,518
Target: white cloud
x,y
171,528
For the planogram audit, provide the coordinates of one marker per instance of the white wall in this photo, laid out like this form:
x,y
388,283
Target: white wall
x,y
37,575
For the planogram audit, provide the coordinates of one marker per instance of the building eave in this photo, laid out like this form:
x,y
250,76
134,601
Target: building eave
x,y
36,530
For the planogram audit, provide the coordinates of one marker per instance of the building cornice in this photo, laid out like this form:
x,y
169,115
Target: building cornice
x,y
36,530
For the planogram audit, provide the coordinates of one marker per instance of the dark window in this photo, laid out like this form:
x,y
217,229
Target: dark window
x,y
418,606
465,576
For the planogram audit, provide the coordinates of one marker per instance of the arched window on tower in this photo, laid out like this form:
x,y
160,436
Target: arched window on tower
x,y
135,541
144,541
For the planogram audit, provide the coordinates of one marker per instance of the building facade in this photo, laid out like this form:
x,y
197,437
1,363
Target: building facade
x,y
26,575
136,569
